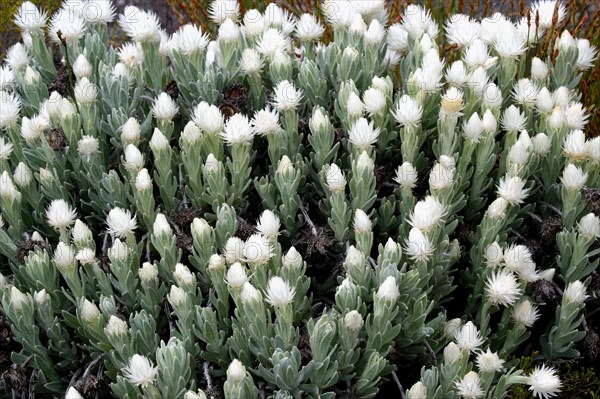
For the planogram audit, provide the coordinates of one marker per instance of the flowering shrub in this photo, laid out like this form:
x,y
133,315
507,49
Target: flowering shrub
x,y
265,215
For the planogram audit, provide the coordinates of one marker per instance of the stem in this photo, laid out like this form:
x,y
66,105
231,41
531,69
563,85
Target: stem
x,y
400,388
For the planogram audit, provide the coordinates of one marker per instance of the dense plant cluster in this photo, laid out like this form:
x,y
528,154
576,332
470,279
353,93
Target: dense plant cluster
x,y
262,214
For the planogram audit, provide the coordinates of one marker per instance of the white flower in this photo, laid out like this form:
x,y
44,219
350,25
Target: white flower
x,y
268,225
161,226
134,160
115,326
561,97
164,108
64,257
234,250
575,293
120,223
406,175
208,118
131,55
541,144
254,23
363,134
452,103
250,62
250,294
277,17
375,33
493,255
222,10
546,9
489,362
576,115
216,262
375,102
388,290
272,40
87,147
408,111
236,372
477,56
491,94
158,142
497,209
354,105
279,292
10,107
335,179
586,54
30,18
177,296
308,29
575,147
140,371
473,128
525,313
427,213
7,77
98,11
525,92
236,276
292,259
73,393
573,177
512,189
183,276
89,311
189,39
510,43
6,149
286,96
441,176
397,38
518,154
417,21
362,223
140,26
457,74
17,298
82,67
468,337
238,130
69,22
8,190
353,320
32,129
502,288
148,272
513,120
517,258
462,30
593,149
257,250
86,256
60,215
266,122
131,132
452,353
589,225
544,382
85,91
229,32
539,69
469,386
23,175
418,246
17,57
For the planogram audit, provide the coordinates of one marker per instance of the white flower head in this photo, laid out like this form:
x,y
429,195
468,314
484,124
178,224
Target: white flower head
x,y
573,177
452,103
452,353
7,77
539,69
543,382
286,96
397,38
250,294
189,39
462,30
363,134
69,22
234,250
362,223
131,132
502,288
279,292
545,10
116,326
468,338
222,10
64,257
148,272
82,67
164,108
469,387
60,215
525,313
238,130
271,41
229,32
457,74
89,311
140,26
23,175
510,44
388,290
417,21
161,226
575,147
406,175
87,147
86,256
140,371
354,105
257,250
266,122
473,128
6,148
335,179
525,92
236,372
30,18
236,276
586,54
268,224
251,63
353,320
589,225
308,29
208,118
120,223
418,246
375,101
512,189
254,23
73,393
17,57
575,292
131,55
427,213
576,115
134,160
489,362
85,91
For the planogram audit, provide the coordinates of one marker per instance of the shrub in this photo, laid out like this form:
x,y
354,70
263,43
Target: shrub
x,y
262,214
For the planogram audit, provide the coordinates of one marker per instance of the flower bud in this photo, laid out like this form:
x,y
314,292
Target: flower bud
x,y
17,298
589,225
452,353
161,226
41,297
417,391
148,272
177,296
236,372
292,259
539,69
575,293
541,144
115,326
82,67
131,132
362,223
23,175
353,320
388,290
89,311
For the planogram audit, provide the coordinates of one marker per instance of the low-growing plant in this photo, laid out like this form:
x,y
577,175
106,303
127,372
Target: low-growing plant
x,y
260,213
